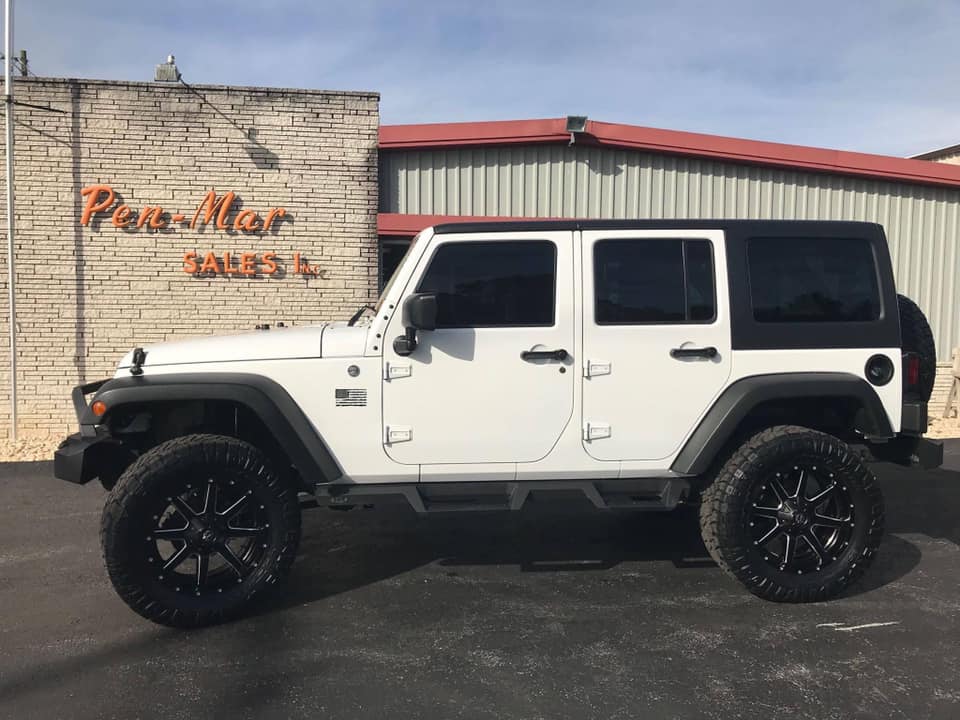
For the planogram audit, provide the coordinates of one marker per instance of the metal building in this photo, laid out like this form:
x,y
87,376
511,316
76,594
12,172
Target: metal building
x,y
529,168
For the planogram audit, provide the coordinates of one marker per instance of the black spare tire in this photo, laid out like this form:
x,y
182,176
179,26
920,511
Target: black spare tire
x,y
917,337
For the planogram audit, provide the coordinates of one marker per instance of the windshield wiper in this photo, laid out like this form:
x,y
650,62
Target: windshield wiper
x,y
359,313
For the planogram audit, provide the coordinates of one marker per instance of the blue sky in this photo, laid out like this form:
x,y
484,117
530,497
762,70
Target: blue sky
x,y
876,76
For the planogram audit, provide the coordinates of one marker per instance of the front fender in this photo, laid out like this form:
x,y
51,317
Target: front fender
x,y
264,397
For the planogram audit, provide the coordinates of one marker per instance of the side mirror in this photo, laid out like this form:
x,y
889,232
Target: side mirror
x,y
419,313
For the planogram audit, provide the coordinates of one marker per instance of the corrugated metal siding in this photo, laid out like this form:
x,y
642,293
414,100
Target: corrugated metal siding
x,y
556,181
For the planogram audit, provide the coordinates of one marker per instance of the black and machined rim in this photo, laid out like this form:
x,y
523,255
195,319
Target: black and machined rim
x,y
209,537
801,518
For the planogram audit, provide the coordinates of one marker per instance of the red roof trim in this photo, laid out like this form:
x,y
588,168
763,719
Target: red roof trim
x,y
674,142
499,132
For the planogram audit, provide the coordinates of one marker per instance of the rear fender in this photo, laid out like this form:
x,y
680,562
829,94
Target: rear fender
x,y
733,406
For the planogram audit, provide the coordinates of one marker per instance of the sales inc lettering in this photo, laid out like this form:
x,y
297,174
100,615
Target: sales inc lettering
x,y
218,210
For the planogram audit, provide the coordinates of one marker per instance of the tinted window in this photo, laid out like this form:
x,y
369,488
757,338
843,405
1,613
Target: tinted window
x,y
492,284
813,280
653,281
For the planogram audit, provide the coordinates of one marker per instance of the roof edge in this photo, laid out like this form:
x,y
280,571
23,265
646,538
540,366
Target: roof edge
x,y
672,142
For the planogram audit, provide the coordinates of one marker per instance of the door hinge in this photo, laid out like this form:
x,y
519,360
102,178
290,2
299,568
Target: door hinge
x,y
593,368
392,371
595,430
397,433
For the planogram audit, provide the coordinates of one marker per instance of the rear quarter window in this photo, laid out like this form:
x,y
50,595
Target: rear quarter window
x,y
813,280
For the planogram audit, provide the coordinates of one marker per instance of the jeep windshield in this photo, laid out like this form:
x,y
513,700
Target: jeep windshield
x,y
389,285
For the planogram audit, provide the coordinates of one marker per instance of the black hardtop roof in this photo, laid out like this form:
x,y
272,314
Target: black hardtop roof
x,y
780,227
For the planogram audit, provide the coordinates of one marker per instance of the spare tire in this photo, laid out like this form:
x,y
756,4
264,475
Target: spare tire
x,y
917,337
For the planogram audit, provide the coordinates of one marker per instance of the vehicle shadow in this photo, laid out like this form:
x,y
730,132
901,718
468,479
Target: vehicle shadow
x,y
364,547
354,549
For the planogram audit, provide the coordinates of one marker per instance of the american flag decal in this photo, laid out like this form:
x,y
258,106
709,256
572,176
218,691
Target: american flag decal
x,y
350,397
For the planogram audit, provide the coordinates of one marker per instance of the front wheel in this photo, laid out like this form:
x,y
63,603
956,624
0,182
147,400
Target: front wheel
x,y
794,515
196,528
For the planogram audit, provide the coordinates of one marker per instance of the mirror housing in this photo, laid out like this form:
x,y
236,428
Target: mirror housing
x,y
420,311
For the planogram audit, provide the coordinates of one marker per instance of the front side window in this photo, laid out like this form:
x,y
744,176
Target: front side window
x,y
653,280
813,280
493,284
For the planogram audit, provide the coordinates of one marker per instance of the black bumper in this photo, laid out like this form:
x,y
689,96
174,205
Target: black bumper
x,y
908,450
79,459
928,454
913,418
82,456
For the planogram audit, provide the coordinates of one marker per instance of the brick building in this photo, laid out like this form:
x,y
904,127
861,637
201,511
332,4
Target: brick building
x,y
89,291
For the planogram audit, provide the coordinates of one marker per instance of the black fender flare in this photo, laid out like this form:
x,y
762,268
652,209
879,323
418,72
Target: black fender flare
x,y
266,398
742,396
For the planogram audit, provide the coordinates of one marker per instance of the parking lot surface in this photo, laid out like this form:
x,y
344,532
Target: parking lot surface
x,y
549,613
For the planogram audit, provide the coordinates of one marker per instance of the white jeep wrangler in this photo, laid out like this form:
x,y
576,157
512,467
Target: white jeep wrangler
x,y
752,367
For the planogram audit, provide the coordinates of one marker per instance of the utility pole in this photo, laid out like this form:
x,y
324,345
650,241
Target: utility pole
x,y
11,274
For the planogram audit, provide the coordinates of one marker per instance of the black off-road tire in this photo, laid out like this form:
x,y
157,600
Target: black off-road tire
x,y
175,469
916,336
730,504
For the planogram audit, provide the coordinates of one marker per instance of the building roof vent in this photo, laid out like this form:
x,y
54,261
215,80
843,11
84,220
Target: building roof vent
x,y
167,72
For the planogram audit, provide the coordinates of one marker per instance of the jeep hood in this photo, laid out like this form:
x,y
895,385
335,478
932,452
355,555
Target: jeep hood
x,y
327,340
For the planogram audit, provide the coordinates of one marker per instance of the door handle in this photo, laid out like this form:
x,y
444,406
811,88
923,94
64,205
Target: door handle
x,y
707,353
528,355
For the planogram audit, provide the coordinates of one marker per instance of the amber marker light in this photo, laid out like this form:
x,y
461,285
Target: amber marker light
x,y
99,408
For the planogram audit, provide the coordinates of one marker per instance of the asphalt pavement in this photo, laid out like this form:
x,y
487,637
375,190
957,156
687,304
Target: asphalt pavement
x,y
555,612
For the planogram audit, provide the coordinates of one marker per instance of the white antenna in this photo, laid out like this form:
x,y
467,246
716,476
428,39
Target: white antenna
x,y
11,274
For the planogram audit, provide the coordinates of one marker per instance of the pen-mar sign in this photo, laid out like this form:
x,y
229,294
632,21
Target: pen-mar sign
x,y
219,210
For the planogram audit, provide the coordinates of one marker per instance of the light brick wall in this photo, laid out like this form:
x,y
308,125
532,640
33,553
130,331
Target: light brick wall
x,y
86,295
951,158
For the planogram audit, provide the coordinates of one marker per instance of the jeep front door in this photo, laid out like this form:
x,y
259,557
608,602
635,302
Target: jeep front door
x,y
656,338
493,382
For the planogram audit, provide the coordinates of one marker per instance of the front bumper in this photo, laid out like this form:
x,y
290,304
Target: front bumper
x,y
83,455
80,458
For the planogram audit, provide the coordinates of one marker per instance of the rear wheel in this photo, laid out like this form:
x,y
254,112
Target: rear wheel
x,y
196,528
794,515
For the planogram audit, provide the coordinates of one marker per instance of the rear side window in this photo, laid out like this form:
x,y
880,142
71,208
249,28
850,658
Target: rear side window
x,y
493,284
813,280
653,280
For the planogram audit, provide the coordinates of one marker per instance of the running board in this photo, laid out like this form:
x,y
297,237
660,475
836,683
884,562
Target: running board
x,y
652,494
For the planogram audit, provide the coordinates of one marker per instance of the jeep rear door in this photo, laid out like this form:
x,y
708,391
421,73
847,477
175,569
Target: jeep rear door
x,y
656,338
494,382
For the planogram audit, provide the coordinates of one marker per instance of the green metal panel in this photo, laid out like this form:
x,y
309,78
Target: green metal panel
x,y
555,181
